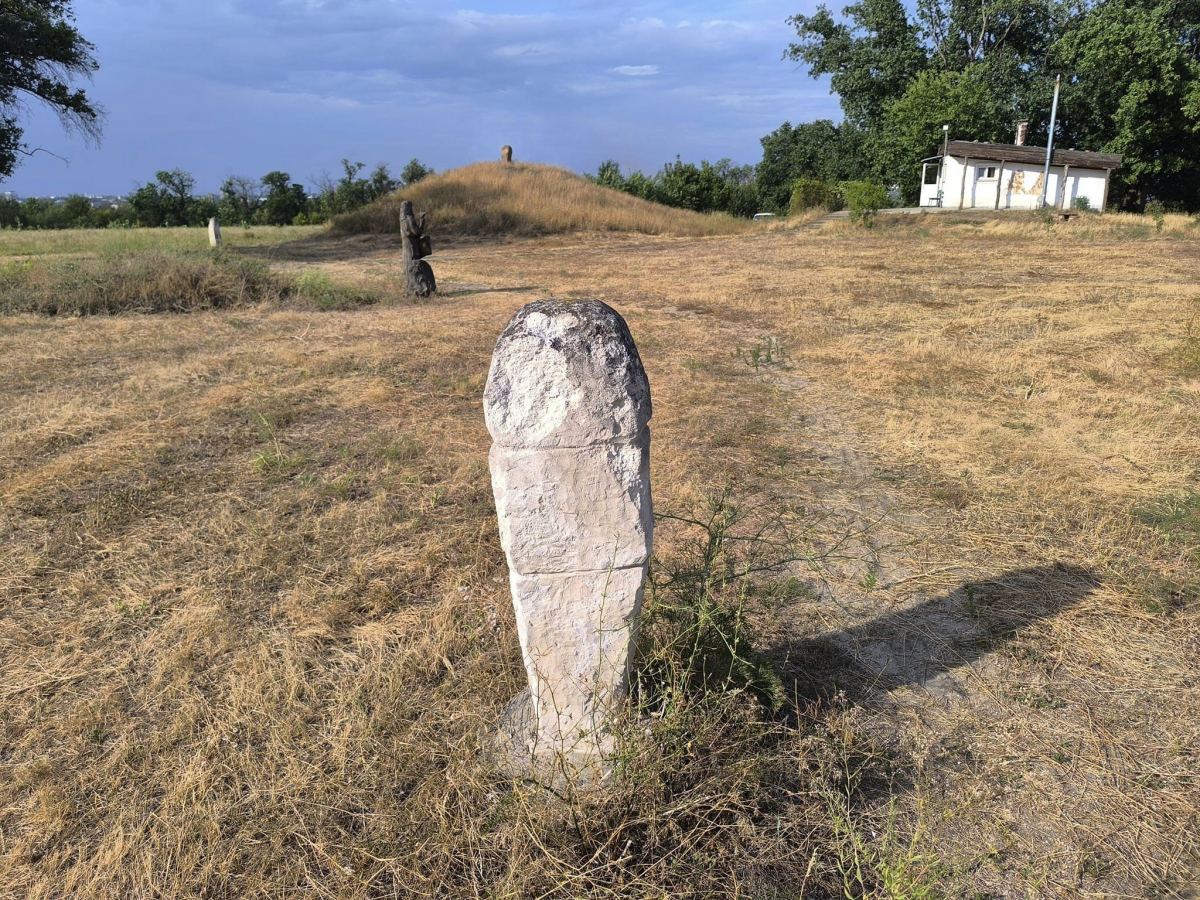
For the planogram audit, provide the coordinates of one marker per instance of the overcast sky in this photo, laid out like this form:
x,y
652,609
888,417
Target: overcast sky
x,y
248,86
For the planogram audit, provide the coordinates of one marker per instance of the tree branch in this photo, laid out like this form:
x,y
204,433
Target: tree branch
x,y
25,152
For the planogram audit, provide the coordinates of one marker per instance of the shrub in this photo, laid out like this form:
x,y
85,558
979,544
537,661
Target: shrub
x,y
813,193
157,282
1083,204
146,283
865,198
1158,212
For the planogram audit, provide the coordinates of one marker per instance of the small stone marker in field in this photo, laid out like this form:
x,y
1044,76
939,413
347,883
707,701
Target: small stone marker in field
x,y
506,154
418,276
567,404
214,232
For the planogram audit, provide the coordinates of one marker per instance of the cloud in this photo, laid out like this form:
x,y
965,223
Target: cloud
x,y
244,85
637,71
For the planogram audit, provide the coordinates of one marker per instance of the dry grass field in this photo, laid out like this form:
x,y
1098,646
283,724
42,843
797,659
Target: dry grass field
x,y
929,500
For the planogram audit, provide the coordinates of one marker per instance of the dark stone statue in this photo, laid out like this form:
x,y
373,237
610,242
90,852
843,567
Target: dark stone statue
x,y
418,276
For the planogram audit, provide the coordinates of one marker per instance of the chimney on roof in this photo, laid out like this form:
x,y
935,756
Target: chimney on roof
x,y
1022,132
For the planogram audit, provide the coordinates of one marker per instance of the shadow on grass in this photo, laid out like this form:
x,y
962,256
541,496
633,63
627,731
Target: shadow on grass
x,y
468,290
913,646
324,247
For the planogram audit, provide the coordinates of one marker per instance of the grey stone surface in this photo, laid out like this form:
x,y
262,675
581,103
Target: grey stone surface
x,y
506,154
576,629
567,404
214,232
577,509
418,278
566,374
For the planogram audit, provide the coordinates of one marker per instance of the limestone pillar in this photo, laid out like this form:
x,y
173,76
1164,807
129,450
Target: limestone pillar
x,y
214,232
567,404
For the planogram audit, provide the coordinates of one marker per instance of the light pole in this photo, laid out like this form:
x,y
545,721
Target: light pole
x,y
942,167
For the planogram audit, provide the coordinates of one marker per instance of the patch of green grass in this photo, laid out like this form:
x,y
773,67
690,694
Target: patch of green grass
x,y
884,863
275,460
341,488
403,449
326,293
1176,517
1162,595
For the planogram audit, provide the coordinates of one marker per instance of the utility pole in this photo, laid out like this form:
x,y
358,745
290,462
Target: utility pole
x,y
1050,140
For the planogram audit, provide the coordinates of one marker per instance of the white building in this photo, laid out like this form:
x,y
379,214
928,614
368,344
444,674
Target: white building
x,y
1009,176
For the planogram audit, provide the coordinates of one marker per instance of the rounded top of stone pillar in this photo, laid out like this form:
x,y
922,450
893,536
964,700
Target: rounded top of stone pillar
x,y
566,374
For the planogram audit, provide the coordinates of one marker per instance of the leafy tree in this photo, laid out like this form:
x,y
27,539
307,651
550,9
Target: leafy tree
x,y
146,204
609,175
708,187
871,58
175,195
284,201
864,198
41,52
1135,90
814,193
201,209
641,185
239,200
10,212
912,128
76,212
382,182
817,150
415,171
350,192
169,201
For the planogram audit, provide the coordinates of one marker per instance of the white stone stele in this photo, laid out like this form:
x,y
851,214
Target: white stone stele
x,y
567,404
214,232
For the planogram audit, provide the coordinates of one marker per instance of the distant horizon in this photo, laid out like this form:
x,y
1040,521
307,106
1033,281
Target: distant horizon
x,y
310,189
254,86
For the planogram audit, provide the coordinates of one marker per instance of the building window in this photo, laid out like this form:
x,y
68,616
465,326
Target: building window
x,y
931,174
985,172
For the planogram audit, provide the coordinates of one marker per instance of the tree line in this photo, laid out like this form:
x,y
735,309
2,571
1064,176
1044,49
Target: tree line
x,y
708,187
171,200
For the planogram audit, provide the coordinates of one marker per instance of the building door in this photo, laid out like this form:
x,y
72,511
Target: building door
x,y
931,188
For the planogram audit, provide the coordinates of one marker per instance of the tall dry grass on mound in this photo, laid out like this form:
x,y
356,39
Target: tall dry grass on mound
x,y
528,200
